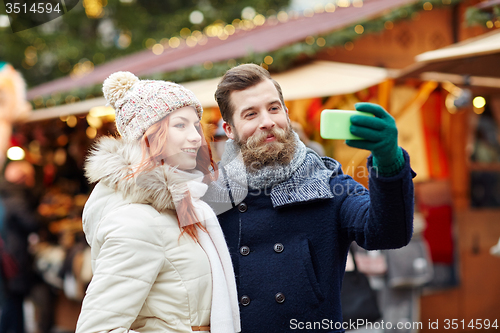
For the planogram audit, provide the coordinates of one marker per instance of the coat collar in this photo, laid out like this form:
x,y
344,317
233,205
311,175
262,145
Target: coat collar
x,y
111,161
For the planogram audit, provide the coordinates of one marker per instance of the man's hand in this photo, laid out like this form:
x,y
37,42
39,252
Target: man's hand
x,y
380,136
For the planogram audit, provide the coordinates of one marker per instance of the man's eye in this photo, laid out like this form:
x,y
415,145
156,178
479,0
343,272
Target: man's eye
x,y
275,108
249,114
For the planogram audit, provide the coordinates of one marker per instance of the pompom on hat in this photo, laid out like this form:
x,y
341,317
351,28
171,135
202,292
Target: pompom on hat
x,y
139,104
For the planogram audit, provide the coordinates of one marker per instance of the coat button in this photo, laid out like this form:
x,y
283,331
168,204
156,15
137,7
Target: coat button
x,y
245,300
280,298
244,250
278,247
242,207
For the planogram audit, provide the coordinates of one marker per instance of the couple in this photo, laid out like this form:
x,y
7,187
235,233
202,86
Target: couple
x,y
159,254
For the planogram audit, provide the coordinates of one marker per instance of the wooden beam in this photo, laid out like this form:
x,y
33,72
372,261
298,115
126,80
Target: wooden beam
x,y
481,81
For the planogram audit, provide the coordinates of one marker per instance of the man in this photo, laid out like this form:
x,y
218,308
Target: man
x,y
289,215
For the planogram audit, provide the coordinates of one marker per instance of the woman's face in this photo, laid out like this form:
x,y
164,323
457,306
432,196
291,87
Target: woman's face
x,y
183,138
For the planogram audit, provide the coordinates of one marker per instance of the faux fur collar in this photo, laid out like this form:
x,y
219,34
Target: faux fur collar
x,y
112,160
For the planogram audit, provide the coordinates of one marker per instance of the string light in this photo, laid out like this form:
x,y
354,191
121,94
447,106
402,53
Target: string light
x,y
223,36
93,8
308,12
330,7
191,41
248,13
318,9
247,25
185,32
56,96
15,153
150,42
72,121
61,140
208,65
357,3
91,132
359,29
106,112
230,29
343,3
427,6
174,42
83,67
196,17
158,49
282,16
30,54
259,20
124,40
197,34
4,21
203,40
60,156
268,60
479,102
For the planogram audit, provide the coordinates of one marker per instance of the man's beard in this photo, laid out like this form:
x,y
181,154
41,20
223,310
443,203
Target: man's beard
x,y
257,153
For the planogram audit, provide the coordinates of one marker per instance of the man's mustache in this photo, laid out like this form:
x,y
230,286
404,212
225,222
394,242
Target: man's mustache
x,y
258,138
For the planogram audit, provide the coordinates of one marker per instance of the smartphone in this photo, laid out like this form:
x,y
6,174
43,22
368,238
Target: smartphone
x,y
335,124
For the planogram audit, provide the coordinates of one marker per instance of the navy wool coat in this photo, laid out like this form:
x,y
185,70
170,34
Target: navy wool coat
x,y
289,258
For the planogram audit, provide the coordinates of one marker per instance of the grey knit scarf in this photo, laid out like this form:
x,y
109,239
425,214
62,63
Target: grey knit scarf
x,y
263,178
307,178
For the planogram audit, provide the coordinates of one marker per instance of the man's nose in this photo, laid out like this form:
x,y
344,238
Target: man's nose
x,y
266,122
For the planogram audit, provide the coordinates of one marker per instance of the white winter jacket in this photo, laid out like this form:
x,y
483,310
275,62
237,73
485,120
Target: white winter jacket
x,y
146,277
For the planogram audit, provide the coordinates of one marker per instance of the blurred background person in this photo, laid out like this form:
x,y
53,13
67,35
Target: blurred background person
x,y
19,221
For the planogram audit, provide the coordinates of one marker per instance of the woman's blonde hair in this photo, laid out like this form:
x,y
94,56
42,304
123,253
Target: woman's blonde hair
x,y
152,146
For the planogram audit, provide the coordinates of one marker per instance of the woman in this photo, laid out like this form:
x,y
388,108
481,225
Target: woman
x,y
159,258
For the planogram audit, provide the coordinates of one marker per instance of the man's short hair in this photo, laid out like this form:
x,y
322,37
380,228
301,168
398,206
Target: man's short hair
x,y
240,78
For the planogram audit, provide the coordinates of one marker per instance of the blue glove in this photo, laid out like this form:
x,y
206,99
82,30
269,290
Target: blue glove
x,y
380,136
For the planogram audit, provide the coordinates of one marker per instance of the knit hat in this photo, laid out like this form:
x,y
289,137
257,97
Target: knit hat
x,y
139,104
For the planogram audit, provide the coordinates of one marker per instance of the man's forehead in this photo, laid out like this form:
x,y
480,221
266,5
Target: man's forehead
x,y
263,93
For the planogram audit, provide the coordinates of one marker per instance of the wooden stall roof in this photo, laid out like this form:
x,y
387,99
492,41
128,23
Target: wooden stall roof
x,y
488,4
265,38
473,61
483,45
318,79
